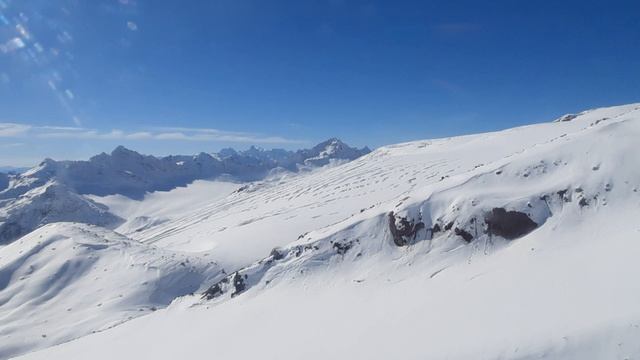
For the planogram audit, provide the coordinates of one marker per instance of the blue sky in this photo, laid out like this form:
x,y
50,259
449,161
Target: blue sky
x,y
80,77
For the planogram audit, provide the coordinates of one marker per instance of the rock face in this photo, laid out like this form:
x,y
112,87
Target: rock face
x,y
403,231
129,173
509,224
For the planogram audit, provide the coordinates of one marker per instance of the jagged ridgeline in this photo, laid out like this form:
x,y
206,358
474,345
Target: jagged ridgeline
x,y
52,191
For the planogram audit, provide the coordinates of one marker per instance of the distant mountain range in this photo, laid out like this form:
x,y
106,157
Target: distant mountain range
x,y
52,191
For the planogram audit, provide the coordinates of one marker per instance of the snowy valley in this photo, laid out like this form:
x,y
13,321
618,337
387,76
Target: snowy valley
x,y
516,244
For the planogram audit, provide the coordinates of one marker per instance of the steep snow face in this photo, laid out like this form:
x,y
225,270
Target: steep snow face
x,y
131,174
519,244
67,280
46,204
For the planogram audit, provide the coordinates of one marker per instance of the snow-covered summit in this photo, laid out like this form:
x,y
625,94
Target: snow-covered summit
x,y
52,202
129,173
331,149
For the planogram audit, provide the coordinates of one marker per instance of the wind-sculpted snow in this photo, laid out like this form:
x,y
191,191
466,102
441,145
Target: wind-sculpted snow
x,y
67,280
518,244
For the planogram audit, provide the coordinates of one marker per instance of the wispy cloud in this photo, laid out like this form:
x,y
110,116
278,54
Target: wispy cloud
x,y
10,145
13,130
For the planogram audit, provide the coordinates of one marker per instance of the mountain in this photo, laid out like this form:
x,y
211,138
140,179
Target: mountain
x,y
68,280
129,173
50,203
517,244
52,191
13,169
4,181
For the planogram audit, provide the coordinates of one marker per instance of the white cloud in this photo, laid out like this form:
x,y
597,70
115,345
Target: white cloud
x,y
12,45
158,134
13,130
11,145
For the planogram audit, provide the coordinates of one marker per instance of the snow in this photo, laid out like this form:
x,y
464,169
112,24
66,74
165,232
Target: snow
x,y
67,280
563,299
337,285
162,206
131,174
49,203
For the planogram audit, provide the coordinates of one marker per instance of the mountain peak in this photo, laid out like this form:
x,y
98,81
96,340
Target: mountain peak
x,y
121,150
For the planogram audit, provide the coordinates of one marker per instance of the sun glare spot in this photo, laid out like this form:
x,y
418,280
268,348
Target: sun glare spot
x,y
132,26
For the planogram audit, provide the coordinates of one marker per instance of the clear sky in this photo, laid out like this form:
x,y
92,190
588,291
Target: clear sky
x,y
79,77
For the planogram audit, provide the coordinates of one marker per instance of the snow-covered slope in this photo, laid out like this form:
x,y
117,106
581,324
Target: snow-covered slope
x,y
164,206
518,244
67,280
282,211
49,203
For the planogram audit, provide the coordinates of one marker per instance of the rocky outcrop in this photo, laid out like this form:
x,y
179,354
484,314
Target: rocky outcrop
x,y
403,230
509,224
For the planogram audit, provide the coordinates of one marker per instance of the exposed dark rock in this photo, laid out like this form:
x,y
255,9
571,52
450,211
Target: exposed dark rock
x,y
563,195
276,254
342,247
435,229
241,189
448,226
583,202
212,292
464,234
238,284
567,117
509,224
405,231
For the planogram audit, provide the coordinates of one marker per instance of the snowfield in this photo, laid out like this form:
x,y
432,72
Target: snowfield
x,y
518,244
66,280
